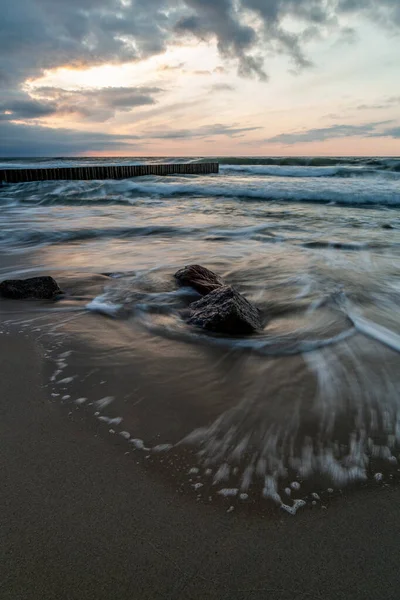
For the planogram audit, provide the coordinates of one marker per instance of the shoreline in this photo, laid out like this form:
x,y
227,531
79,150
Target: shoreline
x,y
81,521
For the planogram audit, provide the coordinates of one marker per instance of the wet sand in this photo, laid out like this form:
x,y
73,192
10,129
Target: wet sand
x,y
80,520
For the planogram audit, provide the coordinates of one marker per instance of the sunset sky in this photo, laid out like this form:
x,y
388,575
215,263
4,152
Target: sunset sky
x,y
199,77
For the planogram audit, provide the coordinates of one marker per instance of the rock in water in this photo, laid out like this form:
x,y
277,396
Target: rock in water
x,y
224,310
45,288
201,279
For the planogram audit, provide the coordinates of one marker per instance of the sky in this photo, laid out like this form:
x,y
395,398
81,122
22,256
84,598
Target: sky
x,y
199,77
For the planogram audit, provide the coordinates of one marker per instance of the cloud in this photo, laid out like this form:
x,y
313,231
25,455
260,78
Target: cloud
x,y
392,132
177,67
44,34
327,133
26,109
386,11
93,104
200,132
222,87
38,35
383,104
220,20
35,140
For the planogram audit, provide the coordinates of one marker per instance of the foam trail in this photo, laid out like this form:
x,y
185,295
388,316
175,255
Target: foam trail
x,y
101,305
377,332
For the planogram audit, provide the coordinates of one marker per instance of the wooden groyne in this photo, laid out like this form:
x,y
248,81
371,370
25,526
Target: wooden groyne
x,y
106,172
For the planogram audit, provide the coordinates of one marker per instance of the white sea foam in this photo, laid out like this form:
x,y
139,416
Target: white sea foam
x,y
292,510
102,305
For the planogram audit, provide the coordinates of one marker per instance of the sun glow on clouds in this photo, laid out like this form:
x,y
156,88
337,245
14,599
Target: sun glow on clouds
x,y
188,101
175,64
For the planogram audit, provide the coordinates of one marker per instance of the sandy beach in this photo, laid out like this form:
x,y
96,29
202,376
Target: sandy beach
x,y
79,521
199,300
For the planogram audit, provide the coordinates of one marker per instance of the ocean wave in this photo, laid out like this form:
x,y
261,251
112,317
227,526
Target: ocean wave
x,y
377,192
307,171
386,163
38,237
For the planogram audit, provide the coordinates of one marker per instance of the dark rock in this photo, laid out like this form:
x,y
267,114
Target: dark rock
x,y
224,310
387,226
201,279
45,288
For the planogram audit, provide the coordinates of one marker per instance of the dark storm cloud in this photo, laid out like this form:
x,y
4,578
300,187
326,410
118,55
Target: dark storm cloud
x,y
237,38
387,11
36,35
220,20
34,140
43,34
26,109
328,133
200,132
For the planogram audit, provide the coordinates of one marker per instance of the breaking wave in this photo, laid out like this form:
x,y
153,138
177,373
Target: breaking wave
x,y
318,190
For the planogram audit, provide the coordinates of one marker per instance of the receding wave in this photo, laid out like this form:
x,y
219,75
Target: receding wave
x,y
34,237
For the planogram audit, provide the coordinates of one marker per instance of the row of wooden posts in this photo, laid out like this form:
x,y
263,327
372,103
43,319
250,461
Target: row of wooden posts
x,y
106,172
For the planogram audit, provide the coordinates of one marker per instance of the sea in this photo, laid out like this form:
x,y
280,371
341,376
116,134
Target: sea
x,y
287,417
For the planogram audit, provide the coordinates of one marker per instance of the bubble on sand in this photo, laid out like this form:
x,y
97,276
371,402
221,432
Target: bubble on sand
x,y
103,402
139,444
80,400
66,380
292,510
228,492
162,448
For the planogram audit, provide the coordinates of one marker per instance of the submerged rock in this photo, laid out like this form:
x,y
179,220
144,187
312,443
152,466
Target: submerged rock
x,y
201,279
45,288
224,310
